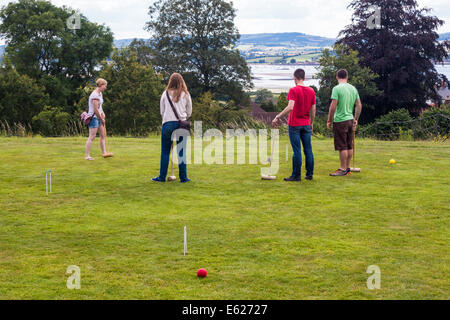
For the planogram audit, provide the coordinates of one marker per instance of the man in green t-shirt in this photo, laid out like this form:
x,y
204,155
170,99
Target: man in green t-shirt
x,y
344,98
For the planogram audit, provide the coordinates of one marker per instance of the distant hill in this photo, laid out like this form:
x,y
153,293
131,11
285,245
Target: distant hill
x,y
445,36
290,39
124,42
294,39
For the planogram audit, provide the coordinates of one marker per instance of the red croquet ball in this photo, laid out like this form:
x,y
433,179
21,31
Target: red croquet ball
x,y
202,273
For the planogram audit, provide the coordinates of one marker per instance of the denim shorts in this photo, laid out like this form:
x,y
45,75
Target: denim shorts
x,y
95,123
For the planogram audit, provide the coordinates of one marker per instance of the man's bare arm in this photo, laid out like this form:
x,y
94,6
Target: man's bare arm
x,y
286,111
312,115
358,109
331,113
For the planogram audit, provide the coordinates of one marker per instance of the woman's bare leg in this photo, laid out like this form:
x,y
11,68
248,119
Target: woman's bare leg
x,y
102,132
92,135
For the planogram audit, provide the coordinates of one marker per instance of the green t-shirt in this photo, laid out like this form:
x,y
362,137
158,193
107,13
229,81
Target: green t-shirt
x,y
346,95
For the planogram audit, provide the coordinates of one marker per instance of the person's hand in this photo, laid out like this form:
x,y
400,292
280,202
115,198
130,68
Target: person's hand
x,y
275,122
355,124
103,116
103,121
329,125
312,127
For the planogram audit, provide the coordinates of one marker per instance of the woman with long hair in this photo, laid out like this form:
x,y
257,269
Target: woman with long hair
x,y
179,95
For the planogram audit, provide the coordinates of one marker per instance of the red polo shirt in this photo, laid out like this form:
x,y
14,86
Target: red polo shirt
x,y
304,98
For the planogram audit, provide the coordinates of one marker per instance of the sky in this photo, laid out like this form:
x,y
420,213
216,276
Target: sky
x,y
127,18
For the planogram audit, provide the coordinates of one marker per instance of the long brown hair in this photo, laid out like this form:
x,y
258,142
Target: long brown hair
x,y
177,86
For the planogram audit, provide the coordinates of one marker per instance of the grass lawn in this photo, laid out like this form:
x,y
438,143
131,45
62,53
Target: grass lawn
x,y
257,239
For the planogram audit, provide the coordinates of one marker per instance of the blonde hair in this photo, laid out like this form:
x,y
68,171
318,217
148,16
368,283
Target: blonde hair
x,y
177,85
101,82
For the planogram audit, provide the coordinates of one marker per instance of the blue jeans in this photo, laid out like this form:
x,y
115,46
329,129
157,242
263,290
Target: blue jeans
x,y
166,146
298,136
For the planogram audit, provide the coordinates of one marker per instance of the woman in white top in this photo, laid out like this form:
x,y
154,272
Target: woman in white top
x,y
182,102
98,120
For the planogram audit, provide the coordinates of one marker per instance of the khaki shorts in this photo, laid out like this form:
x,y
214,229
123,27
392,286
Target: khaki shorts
x,y
343,135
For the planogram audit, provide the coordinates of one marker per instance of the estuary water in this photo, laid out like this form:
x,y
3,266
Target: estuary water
x,y
279,78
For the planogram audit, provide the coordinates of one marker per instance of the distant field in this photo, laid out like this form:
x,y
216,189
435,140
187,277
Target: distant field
x,y
257,239
304,57
299,58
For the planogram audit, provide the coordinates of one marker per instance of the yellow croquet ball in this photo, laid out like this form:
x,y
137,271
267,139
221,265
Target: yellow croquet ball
x,y
392,161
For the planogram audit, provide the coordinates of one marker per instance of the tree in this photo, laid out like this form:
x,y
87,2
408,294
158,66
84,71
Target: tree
x,y
198,37
41,46
219,115
52,122
263,95
21,97
144,51
264,98
282,101
402,52
361,77
318,101
133,94
269,106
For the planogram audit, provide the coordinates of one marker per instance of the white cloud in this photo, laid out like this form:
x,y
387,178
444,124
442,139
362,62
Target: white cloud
x,y
127,18
320,17
441,9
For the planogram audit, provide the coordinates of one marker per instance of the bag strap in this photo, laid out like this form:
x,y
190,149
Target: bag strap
x,y
173,108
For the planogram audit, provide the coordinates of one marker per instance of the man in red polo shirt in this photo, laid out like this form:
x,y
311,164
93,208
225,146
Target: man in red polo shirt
x,y
302,111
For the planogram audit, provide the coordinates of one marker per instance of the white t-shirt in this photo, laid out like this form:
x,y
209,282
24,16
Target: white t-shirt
x,y
95,96
183,107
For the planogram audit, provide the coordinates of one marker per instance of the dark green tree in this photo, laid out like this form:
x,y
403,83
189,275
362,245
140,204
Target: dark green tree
x,y
269,106
282,101
41,45
198,38
402,51
132,100
21,97
221,115
361,77
144,51
263,95
53,122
